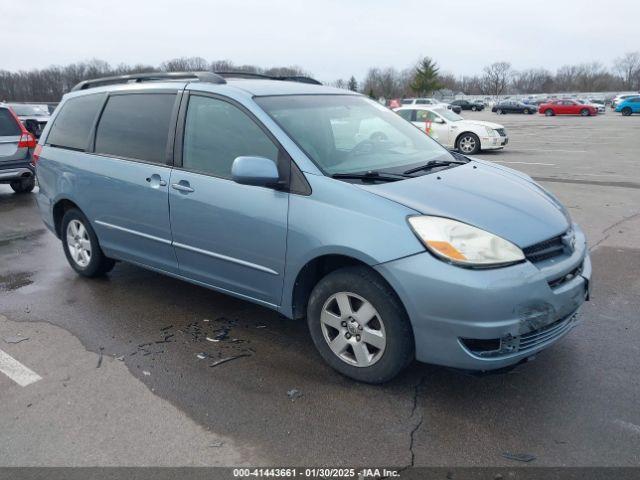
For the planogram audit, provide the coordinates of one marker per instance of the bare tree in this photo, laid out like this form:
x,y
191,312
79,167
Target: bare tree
x,y
534,80
628,67
496,78
185,64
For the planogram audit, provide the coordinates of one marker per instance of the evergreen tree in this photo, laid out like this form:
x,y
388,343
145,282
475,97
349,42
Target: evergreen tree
x,y
353,84
426,79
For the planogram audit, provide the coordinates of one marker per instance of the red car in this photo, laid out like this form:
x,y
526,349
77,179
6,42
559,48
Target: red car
x,y
566,107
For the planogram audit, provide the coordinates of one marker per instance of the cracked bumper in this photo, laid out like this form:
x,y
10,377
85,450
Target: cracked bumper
x,y
523,306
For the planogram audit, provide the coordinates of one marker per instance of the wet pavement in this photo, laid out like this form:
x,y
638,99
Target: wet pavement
x,y
182,368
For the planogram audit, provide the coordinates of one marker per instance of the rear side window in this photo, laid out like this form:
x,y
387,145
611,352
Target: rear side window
x,y
8,125
136,126
216,132
72,125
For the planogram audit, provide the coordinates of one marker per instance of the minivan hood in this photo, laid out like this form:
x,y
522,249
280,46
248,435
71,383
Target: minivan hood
x,y
494,198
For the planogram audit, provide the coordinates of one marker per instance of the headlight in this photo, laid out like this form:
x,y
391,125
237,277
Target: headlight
x,y
490,131
463,244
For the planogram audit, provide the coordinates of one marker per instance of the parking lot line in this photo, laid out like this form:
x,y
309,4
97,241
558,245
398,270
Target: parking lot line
x,y
527,163
16,371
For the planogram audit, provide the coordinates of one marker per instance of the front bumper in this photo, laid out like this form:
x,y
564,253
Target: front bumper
x,y
493,143
524,307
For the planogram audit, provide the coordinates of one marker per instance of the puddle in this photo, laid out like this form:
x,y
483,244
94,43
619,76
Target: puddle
x,y
14,281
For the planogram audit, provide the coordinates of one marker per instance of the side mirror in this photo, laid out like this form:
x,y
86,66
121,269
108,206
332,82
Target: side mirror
x,y
438,120
256,171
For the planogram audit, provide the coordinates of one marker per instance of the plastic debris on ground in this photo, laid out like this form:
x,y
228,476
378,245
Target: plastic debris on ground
x,y
519,457
15,339
293,394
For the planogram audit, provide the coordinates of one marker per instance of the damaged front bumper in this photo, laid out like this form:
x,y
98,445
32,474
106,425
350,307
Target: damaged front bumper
x,y
493,318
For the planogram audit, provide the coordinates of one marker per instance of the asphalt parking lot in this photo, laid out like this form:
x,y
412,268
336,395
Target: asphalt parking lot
x,y
120,380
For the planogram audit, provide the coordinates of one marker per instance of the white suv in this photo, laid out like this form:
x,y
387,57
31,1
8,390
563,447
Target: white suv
x,y
453,131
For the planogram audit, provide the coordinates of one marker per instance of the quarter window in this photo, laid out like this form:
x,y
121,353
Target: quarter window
x,y
74,122
136,126
216,133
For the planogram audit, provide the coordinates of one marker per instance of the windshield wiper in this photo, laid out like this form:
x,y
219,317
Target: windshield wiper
x,y
434,164
371,175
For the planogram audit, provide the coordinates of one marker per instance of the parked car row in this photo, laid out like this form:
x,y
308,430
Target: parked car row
x,y
453,131
456,108
33,116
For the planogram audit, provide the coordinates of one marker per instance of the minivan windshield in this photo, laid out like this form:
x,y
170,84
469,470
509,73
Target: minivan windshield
x,y
349,134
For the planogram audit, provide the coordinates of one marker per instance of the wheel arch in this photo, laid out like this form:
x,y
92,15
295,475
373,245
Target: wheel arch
x,y
60,207
317,268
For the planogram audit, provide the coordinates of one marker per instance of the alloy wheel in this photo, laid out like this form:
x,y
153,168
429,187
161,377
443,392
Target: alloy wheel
x,y
353,329
467,144
79,243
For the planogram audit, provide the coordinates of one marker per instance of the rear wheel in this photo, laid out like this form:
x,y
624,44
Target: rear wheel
x,y
585,112
81,246
468,143
626,111
24,185
526,111
499,111
473,108
549,112
359,326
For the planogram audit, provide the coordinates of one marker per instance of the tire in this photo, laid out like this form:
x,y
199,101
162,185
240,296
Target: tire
x,y
526,111
468,143
93,263
387,326
474,108
25,185
585,112
549,113
626,111
499,111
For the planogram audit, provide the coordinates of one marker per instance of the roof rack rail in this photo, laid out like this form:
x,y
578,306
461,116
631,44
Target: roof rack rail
x,y
289,78
149,77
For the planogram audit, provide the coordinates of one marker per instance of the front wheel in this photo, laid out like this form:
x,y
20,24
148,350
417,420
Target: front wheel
x,y
499,111
549,113
24,185
359,326
585,112
81,246
626,111
526,111
469,143
474,108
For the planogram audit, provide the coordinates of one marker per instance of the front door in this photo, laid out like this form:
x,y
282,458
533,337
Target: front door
x,y
431,123
227,235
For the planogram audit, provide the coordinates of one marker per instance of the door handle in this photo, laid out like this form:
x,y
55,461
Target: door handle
x,y
156,181
182,187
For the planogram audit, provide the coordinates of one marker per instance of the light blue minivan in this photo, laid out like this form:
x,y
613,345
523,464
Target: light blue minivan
x,y
321,204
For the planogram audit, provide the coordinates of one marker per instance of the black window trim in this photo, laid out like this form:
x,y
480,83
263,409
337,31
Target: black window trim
x,y
290,173
169,160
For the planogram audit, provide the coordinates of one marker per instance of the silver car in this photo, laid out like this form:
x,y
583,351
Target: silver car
x,y
16,145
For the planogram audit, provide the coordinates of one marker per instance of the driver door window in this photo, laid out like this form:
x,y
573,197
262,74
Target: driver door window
x,y
216,133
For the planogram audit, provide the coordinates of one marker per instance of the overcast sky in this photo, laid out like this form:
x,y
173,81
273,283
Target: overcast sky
x,y
329,38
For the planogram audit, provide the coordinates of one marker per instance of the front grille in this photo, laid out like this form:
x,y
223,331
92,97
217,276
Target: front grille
x,y
500,347
544,250
501,132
